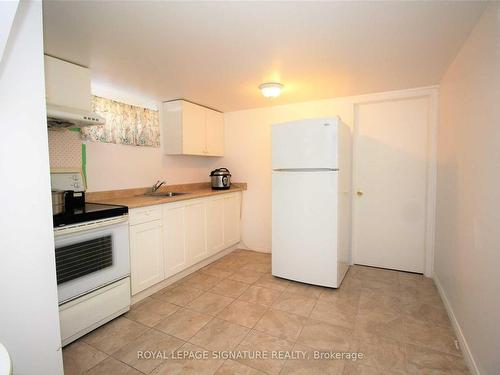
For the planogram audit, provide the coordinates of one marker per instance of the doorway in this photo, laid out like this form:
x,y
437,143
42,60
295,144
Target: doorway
x,y
391,184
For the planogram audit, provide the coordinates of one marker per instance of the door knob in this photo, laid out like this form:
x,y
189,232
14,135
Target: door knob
x,y
359,193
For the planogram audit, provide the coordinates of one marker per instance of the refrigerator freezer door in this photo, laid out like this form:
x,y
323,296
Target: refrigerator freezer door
x,y
304,227
305,144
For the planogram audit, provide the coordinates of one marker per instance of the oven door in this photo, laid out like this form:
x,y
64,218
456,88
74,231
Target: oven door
x,y
91,256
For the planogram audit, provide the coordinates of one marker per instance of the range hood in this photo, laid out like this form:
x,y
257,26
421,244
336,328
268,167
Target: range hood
x,y
64,117
68,96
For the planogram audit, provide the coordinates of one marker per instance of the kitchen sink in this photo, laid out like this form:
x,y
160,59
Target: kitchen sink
x,y
163,194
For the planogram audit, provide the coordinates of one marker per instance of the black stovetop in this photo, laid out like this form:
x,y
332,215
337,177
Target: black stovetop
x,y
89,212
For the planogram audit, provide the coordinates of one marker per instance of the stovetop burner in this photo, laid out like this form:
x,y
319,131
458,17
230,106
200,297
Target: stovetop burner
x,y
89,212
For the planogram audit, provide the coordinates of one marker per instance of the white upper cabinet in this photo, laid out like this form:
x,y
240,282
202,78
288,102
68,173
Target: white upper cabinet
x,y
191,129
66,84
215,133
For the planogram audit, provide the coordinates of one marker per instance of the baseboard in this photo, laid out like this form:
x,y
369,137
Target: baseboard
x,y
469,359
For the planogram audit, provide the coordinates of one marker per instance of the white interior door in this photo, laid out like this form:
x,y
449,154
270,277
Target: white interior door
x,y
390,184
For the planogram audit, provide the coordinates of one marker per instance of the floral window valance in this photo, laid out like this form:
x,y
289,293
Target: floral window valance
x,y
125,124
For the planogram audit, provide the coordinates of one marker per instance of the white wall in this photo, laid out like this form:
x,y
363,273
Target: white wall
x,y
29,318
248,152
112,166
468,198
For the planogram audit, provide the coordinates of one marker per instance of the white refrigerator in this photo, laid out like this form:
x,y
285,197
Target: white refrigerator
x,y
311,201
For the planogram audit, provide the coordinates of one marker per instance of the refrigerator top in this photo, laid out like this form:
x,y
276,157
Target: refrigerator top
x,y
306,144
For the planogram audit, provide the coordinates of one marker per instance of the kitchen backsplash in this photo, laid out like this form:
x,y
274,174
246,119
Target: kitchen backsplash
x,y
65,149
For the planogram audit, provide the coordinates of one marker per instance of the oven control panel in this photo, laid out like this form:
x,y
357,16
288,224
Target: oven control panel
x,y
67,180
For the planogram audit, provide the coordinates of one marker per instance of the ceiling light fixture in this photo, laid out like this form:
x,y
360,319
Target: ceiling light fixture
x,y
271,89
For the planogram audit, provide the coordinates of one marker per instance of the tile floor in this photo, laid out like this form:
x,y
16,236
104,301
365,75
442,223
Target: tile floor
x,y
397,320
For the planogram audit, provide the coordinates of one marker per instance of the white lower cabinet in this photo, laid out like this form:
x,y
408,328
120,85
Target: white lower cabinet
x,y
215,226
188,232
146,255
232,204
196,232
174,247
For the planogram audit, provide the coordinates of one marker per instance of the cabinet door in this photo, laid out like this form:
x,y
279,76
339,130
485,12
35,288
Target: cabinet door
x,y
146,255
215,225
215,133
231,219
67,84
196,239
193,132
173,237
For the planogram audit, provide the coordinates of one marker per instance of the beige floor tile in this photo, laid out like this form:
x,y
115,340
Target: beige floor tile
x,y
152,340
230,288
376,301
114,335
257,267
245,276
210,303
324,336
200,281
375,324
408,297
79,357
431,336
385,286
111,366
263,296
281,324
230,264
189,365
396,319
357,368
426,313
425,361
180,295
217,271
342,295
306,290
235,368
339,313
151,312
382,353
243,313
308,364
258,342
272,282
183,324
295,304
375,274
219,335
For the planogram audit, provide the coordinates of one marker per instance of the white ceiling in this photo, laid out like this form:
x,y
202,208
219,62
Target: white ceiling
x,y
217,53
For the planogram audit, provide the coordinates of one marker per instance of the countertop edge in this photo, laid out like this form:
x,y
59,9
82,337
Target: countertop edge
x,y
138,201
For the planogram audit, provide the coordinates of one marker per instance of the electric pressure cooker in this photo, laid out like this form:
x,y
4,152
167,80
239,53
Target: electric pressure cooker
x,y
220,178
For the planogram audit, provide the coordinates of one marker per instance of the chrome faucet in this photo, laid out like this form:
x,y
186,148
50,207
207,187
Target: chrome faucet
x,y
157,185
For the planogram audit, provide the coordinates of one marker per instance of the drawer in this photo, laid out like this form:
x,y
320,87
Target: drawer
x,y
88,312
144,214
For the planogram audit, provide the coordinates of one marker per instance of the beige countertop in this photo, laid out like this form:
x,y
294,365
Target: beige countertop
x,y
134,198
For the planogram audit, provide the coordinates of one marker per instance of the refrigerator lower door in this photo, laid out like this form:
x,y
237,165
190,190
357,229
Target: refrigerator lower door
x,y
304,226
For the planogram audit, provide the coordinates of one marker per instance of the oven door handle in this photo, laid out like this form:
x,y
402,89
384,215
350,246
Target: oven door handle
x,y
80,227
